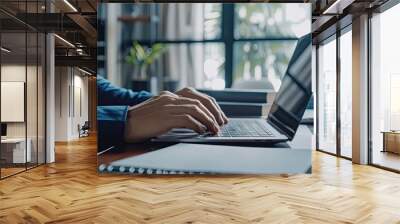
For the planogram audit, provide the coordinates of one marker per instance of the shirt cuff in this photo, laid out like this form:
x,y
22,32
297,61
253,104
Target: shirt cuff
x,y
111,125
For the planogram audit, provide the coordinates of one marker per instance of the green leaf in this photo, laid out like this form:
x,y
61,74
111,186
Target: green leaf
x,y
140,51
139,55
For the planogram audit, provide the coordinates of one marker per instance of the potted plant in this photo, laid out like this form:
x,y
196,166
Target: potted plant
x,y
141,58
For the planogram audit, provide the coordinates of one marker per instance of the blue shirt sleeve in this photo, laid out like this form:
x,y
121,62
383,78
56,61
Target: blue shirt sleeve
x,y
111,95
112,109
111,125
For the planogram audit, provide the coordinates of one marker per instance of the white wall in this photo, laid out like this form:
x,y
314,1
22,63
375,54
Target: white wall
x,y
33,126
71,94
80,94
61,104
12,73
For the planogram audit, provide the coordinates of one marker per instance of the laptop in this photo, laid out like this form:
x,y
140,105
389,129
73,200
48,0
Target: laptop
x,y
283,119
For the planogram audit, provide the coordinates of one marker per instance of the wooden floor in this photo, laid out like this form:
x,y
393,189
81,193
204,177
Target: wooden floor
x,y
5,172
386,159
70,191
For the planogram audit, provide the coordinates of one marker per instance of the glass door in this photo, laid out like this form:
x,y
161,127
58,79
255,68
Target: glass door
x,y
327,96
35,89
385,90
334,94
346,93
14,153
22,77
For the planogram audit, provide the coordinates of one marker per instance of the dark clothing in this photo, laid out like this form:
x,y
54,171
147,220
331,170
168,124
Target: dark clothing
x,y
112,108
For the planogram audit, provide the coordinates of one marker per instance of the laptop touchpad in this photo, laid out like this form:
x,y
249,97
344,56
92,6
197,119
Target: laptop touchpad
x,y
180,133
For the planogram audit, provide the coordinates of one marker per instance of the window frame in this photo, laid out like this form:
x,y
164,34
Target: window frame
x,y
227,38
336,36
25,30
381,9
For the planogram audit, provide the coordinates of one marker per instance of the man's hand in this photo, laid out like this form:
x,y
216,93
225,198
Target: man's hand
x,y
208,101
186,109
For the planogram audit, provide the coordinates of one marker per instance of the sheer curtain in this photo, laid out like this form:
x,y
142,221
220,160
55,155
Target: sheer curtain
x,y
181,61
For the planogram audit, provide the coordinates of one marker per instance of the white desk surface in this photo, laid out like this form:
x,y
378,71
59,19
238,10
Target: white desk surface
x,y
290,157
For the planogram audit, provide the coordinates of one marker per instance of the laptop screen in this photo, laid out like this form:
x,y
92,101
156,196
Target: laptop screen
x,y
292,98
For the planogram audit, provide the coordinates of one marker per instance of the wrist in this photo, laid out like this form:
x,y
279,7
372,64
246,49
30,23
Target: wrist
x,y
128,124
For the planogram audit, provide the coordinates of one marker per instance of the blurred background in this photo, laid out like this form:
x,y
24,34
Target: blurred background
x,y
203,45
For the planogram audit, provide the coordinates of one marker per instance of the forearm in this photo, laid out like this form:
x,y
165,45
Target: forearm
x,y
112,95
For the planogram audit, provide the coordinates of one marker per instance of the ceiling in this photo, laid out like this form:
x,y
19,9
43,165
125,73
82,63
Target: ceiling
x,y
76,22
72,20
328,15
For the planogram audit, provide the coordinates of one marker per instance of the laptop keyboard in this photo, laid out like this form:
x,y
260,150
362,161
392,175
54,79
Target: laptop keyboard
x,y
244,128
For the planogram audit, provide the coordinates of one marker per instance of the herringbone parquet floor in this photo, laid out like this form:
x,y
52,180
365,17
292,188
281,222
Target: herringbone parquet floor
x,y
70,191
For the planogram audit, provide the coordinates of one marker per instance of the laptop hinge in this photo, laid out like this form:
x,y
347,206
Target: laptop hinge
x,y
279,129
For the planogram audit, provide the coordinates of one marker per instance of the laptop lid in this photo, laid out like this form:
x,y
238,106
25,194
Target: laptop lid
x,y
292,98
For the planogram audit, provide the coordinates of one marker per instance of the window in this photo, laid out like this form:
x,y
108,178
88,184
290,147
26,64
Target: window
x,y
173,22
229,43
262,61
335,73
385,88
192,35
205,63
22,66
327,96
264,40
256,20
346,93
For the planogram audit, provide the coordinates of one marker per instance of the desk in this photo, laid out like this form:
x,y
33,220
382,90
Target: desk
x,y
391,141
13,150
302,140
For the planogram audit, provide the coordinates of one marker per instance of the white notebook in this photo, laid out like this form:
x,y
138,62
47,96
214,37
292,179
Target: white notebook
x,y
214,159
